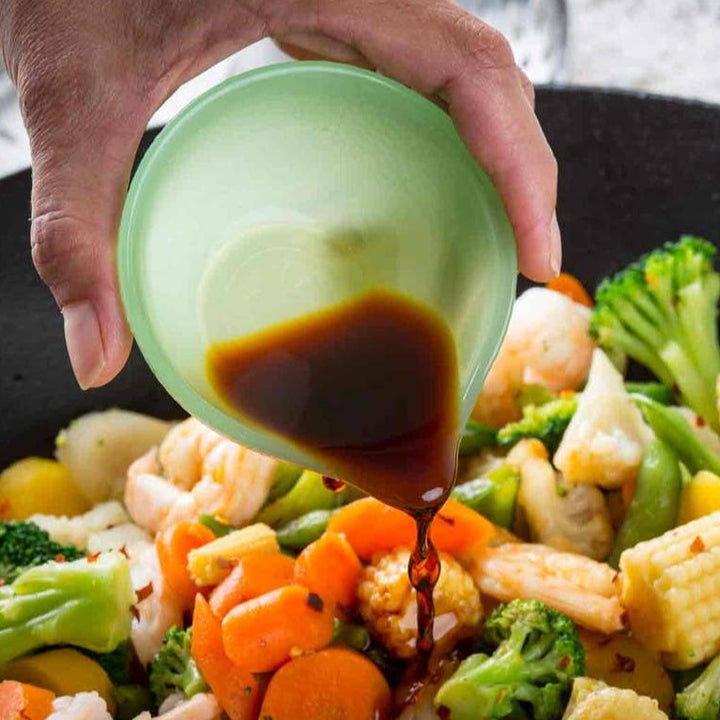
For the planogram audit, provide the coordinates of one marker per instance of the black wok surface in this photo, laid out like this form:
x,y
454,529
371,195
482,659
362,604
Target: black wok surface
x,y
634,171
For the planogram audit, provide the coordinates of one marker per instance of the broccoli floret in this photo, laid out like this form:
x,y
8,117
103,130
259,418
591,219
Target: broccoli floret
x,y
24,545
545,422
662,312
173,668
86,603
700,700
537,653
475,437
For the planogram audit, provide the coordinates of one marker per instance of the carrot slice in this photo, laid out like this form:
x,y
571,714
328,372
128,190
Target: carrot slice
x,y
330,567
333,684
255,574
173,545
263,633
571,287
20,701
370,526
236,690
457,528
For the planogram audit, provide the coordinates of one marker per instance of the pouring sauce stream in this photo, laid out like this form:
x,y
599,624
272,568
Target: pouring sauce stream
x,y
370,389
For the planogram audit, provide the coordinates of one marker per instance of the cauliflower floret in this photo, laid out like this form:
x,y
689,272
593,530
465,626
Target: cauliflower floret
x,y
606,439
83,706
127,536
388,602
203,706
594,700
573,519
77,529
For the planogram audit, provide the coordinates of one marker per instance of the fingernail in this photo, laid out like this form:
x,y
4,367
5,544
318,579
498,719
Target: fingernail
x,y
555,249
84,342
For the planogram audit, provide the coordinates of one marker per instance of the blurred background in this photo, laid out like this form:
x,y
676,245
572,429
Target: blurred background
x,y
654,46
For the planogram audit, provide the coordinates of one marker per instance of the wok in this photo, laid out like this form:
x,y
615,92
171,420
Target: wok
x,y
634,171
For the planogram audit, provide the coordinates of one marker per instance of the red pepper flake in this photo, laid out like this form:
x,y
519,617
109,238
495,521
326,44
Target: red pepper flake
x,y
315,602
697,546
135,612
59,558
623,663
700,422
123,550
93,558
450,521
144,592
443,712
564,662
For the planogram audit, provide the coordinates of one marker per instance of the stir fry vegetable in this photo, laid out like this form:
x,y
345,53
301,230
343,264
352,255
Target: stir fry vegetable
x,y
579,551
536,653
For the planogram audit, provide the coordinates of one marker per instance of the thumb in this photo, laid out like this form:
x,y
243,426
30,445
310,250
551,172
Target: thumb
x,y
80,175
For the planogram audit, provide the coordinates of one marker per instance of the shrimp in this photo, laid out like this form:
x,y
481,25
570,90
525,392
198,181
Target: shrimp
x,y
547,343
157,609
203,473
202,706
183,452
149,499
581,588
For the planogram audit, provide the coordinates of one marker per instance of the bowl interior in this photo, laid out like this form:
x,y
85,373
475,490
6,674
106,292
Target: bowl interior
x,y
297,187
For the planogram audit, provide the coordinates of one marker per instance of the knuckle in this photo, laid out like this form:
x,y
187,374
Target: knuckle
x,y
480,43
59,253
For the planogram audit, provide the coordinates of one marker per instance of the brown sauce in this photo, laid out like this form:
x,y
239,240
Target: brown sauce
x,y
369,388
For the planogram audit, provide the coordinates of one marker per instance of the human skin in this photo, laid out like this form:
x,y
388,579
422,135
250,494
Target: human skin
x,y
91,74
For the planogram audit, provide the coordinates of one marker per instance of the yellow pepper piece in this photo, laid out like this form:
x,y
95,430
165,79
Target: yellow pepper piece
x,y
64,672
700,496
38,485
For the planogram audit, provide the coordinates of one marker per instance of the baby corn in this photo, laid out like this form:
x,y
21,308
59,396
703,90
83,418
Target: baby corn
x,y
670,587
211,563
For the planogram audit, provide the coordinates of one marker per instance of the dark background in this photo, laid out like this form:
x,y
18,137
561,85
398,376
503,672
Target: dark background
x,y
634,172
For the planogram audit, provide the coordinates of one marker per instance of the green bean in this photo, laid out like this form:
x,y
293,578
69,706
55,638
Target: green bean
x,y
303,530
671,427
492,496
474,493
350,635
219,529
286,475
475,437
654,506
309,493
654,390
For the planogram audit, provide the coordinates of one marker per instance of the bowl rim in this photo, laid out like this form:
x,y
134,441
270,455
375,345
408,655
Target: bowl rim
x,y
158,360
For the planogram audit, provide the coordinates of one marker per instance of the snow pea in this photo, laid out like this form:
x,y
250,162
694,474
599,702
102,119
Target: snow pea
x,y
671,427
654,506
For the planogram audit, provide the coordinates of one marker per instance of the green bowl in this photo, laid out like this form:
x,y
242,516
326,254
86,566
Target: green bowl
x,y
296,187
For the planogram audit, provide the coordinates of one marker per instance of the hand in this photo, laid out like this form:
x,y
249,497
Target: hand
x,y
91,74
